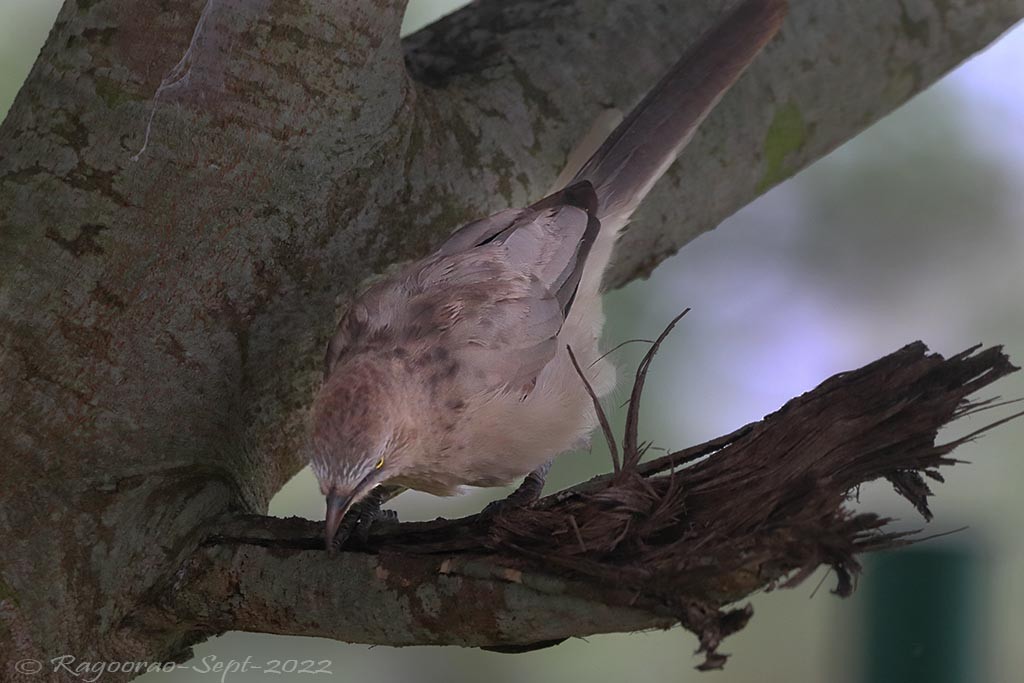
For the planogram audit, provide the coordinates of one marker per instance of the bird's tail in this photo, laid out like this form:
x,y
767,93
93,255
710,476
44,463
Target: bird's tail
x,y
641,148
645,144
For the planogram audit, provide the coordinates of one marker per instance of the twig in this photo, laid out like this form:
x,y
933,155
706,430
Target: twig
x,y
606,427
631,451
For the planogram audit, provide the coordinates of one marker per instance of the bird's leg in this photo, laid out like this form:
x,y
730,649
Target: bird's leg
x,y
528,491
365,514
531,487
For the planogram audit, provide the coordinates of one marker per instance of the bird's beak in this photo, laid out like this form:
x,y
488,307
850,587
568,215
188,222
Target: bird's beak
x,y
337,506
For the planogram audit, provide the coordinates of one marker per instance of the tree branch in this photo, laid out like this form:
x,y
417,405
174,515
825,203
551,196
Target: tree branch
x,y
648,546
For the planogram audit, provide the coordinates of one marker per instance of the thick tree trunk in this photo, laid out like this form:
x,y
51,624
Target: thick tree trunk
x,y
188,187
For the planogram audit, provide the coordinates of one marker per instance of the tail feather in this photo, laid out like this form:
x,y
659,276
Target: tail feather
x,y
605,123
645,144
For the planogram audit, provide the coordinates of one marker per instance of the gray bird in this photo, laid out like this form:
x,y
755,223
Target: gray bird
x,y
455,370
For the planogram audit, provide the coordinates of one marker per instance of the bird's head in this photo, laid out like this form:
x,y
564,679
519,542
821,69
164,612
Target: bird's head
x,y
356,442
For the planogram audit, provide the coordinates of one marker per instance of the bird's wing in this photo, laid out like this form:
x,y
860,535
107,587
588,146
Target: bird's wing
x,y
549,240
479,232
486,324
499,302
493,297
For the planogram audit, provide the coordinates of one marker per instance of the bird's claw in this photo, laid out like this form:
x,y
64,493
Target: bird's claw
x,y
524,496
361,519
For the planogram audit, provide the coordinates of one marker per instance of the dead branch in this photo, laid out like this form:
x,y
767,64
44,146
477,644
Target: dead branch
x,y
675,539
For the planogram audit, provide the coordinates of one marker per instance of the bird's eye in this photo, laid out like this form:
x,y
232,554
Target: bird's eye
x,y
380,463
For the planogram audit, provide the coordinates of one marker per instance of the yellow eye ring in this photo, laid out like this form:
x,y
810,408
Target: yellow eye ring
x,y
380,463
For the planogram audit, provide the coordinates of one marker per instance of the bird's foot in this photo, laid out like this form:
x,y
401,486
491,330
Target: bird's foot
x,y
524,496
364,516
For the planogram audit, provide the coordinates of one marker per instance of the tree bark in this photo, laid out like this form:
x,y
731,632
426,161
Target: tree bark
x,y
188,188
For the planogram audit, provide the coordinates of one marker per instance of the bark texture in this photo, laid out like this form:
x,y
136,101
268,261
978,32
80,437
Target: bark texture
x,y
188,190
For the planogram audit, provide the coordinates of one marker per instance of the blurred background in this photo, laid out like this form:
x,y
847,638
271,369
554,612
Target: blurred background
x,y
911,231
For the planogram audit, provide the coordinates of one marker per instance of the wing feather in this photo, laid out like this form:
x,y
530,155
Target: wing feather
x,y
494,295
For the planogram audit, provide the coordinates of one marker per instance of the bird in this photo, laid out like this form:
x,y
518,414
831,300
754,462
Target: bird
x,y
455,370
